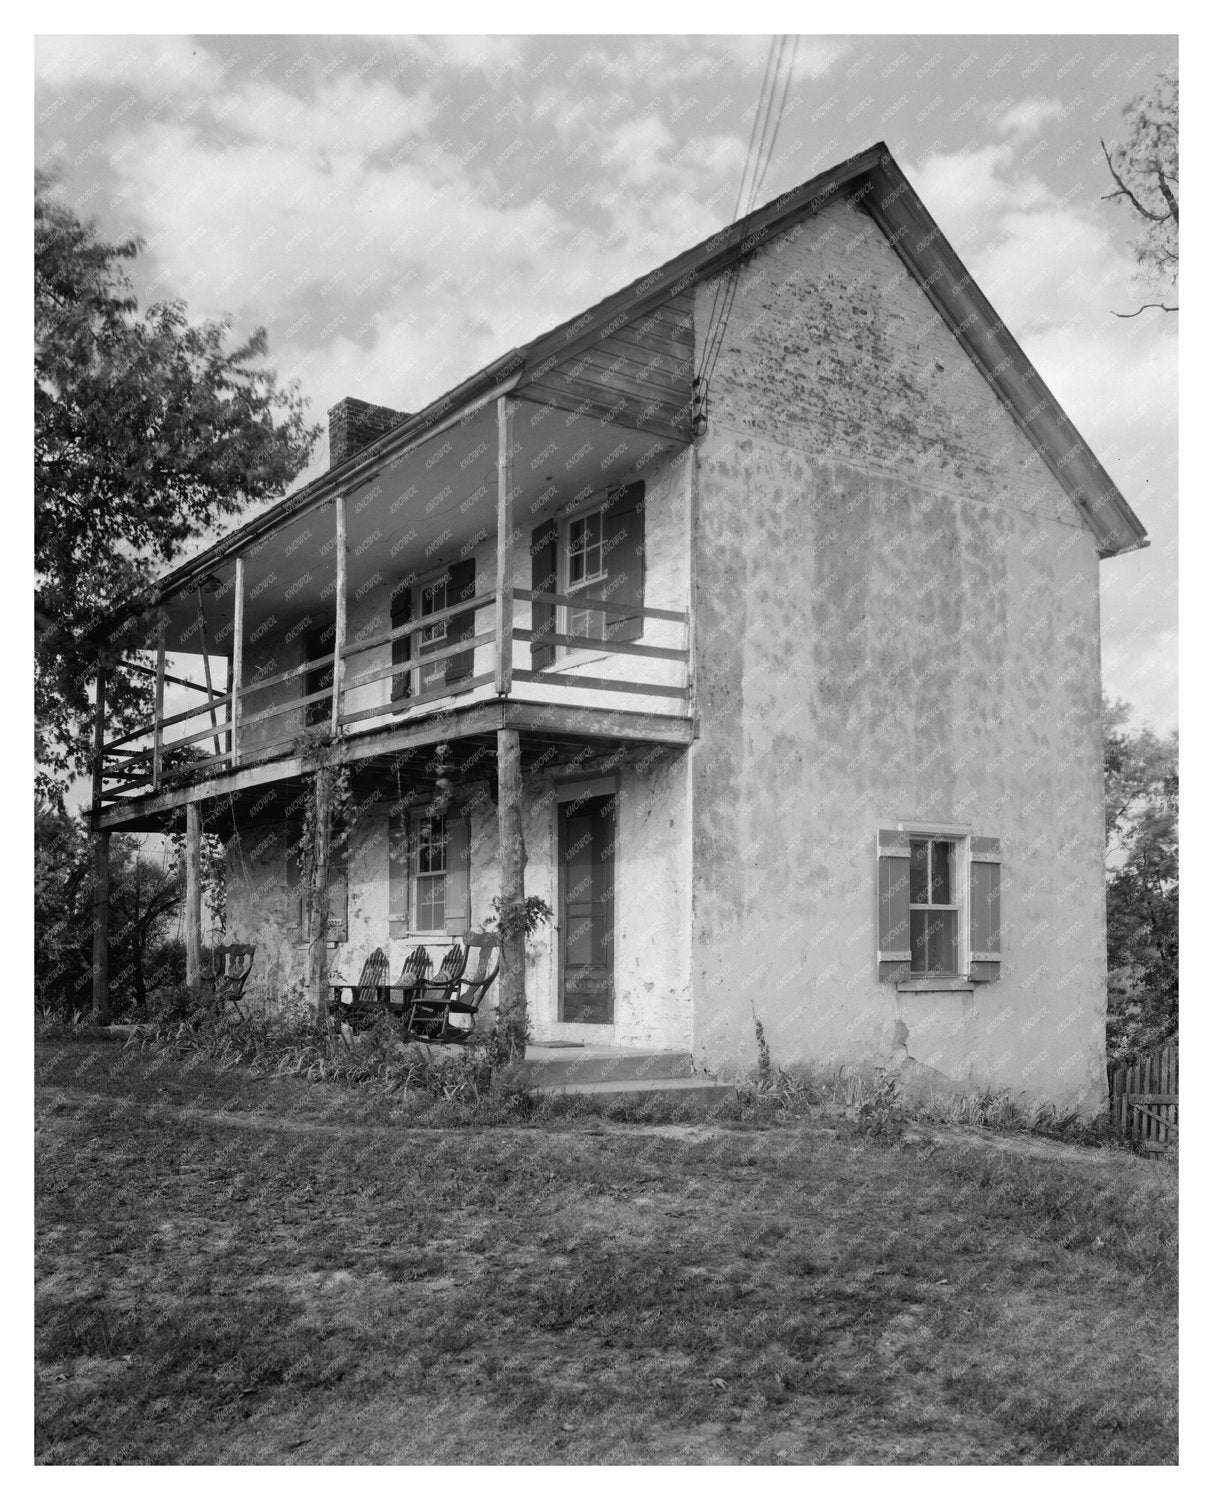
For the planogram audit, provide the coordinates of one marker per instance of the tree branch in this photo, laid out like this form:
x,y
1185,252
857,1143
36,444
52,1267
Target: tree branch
x,y
1128,192
1142,309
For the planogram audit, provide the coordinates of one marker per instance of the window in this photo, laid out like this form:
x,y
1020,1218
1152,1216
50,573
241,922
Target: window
x,y
413,603
598,553
428,873
938,906
934,913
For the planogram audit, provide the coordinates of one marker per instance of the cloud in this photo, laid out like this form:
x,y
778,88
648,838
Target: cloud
x,y
1028,116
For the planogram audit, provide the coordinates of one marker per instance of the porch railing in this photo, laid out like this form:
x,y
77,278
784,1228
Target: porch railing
x,y
147,759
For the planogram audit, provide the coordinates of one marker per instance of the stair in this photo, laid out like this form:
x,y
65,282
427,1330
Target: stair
x,y
620,1074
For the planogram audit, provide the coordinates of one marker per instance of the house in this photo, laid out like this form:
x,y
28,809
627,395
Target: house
x,y
762,599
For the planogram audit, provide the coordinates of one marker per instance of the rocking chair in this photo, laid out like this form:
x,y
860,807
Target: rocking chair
x,y
231,965
361,1010
455,990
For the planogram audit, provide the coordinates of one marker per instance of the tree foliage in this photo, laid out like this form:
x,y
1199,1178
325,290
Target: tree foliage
x,y
1145,169
148,429
1141,811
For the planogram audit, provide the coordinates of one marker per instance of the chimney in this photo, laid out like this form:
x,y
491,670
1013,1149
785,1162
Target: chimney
x,y
355,424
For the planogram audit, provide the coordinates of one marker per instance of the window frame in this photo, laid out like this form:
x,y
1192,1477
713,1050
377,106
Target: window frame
x,y
441,575
593,650
417,817
959,837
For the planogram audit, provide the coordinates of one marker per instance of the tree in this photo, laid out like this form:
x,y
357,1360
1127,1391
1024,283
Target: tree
x,y
1141,810
147,429
1145,169
145,895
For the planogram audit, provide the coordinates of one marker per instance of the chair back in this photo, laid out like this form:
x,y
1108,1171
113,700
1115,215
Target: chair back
x,y
487,949
231,965
417,965
450,971
372,979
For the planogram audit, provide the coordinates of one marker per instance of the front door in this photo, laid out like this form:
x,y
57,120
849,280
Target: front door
x,y
587,916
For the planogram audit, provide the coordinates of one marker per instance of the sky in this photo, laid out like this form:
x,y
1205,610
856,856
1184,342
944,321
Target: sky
x,y
397,211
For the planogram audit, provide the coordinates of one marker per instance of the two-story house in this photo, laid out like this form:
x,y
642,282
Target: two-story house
x,y
762,597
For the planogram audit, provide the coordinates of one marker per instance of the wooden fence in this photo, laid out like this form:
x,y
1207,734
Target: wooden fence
x,y
1144,1098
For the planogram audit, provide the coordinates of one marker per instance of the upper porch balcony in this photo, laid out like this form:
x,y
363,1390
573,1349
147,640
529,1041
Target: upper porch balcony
x,y
521,564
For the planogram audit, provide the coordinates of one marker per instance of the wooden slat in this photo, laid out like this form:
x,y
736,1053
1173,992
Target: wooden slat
x,y
414,627
602,684
617,394
398,670
647,378
656,340
676,427
181,718
622,648
611,607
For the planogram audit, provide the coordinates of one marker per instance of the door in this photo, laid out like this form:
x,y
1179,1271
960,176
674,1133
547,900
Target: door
x,y
587,915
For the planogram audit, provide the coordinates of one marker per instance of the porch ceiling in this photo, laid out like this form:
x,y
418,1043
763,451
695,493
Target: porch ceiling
x,y
413,512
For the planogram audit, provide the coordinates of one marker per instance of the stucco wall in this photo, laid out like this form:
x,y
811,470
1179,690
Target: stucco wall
x,y
897,618
652,903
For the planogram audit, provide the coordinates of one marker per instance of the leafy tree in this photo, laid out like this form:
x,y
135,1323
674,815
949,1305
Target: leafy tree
x,y
145,895
1141,810
148,428
1145,169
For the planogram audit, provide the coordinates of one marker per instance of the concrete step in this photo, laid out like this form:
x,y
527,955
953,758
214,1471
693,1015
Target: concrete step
x,y
692,1093
574,1066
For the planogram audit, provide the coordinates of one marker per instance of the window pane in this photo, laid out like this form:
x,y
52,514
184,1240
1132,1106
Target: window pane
x,y
941,874
918,872
941,944
918,941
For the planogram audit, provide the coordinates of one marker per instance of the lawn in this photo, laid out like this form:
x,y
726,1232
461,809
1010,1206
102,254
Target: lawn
x,y
233,1270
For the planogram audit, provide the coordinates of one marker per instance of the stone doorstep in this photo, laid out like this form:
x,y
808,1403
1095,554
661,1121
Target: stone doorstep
x,y
605,1065
693,1093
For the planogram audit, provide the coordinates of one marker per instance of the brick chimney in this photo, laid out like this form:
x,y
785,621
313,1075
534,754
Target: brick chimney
x,y
355,424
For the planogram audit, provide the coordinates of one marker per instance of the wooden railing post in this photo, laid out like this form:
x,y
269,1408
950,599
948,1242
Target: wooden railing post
x,y
158,723
237,681
193,898
101,882
504,609
339,628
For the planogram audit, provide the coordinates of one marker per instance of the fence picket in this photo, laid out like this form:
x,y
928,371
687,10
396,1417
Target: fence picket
x,y
1143,1098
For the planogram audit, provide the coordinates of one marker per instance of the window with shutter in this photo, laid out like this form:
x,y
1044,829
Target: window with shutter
x,y
429,862
938,907
593,555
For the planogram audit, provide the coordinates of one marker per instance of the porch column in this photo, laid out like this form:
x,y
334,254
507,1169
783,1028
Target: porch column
x,y
101,867
504,604
158,719
193,898
237,680
317,896
513,862
339,629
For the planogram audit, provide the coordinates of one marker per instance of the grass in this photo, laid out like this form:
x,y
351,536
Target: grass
x,y
242,1269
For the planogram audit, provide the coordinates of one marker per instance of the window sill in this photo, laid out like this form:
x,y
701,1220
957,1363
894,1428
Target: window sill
x,y
579,659
934,984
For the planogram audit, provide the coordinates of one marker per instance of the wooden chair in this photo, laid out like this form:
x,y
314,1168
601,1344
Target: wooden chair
x,y
231,965
457,989
362,1007
412,976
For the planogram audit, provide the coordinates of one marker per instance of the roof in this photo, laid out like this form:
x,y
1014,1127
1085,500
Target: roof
x,y
872,181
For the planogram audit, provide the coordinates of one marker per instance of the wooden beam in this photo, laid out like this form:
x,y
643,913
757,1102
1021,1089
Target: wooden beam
x,y
158,712
317,896
339,624
512,853
134,666
193,898
504,610
237,681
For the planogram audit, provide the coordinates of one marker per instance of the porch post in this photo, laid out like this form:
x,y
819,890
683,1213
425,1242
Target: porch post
x,y
504,603
158,724
513,863
193,898
101,867
317,897
339,629
237,679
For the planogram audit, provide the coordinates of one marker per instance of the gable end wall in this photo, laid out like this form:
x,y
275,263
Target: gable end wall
x,y
897,618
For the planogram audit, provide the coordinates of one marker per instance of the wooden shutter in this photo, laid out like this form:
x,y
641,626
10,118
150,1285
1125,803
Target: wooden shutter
x,y
398,874
402,614
623,525
461,585
985,908
458,885
893,904
544,580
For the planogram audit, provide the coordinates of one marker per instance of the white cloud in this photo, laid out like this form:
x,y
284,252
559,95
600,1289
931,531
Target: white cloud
x,y
1028,116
